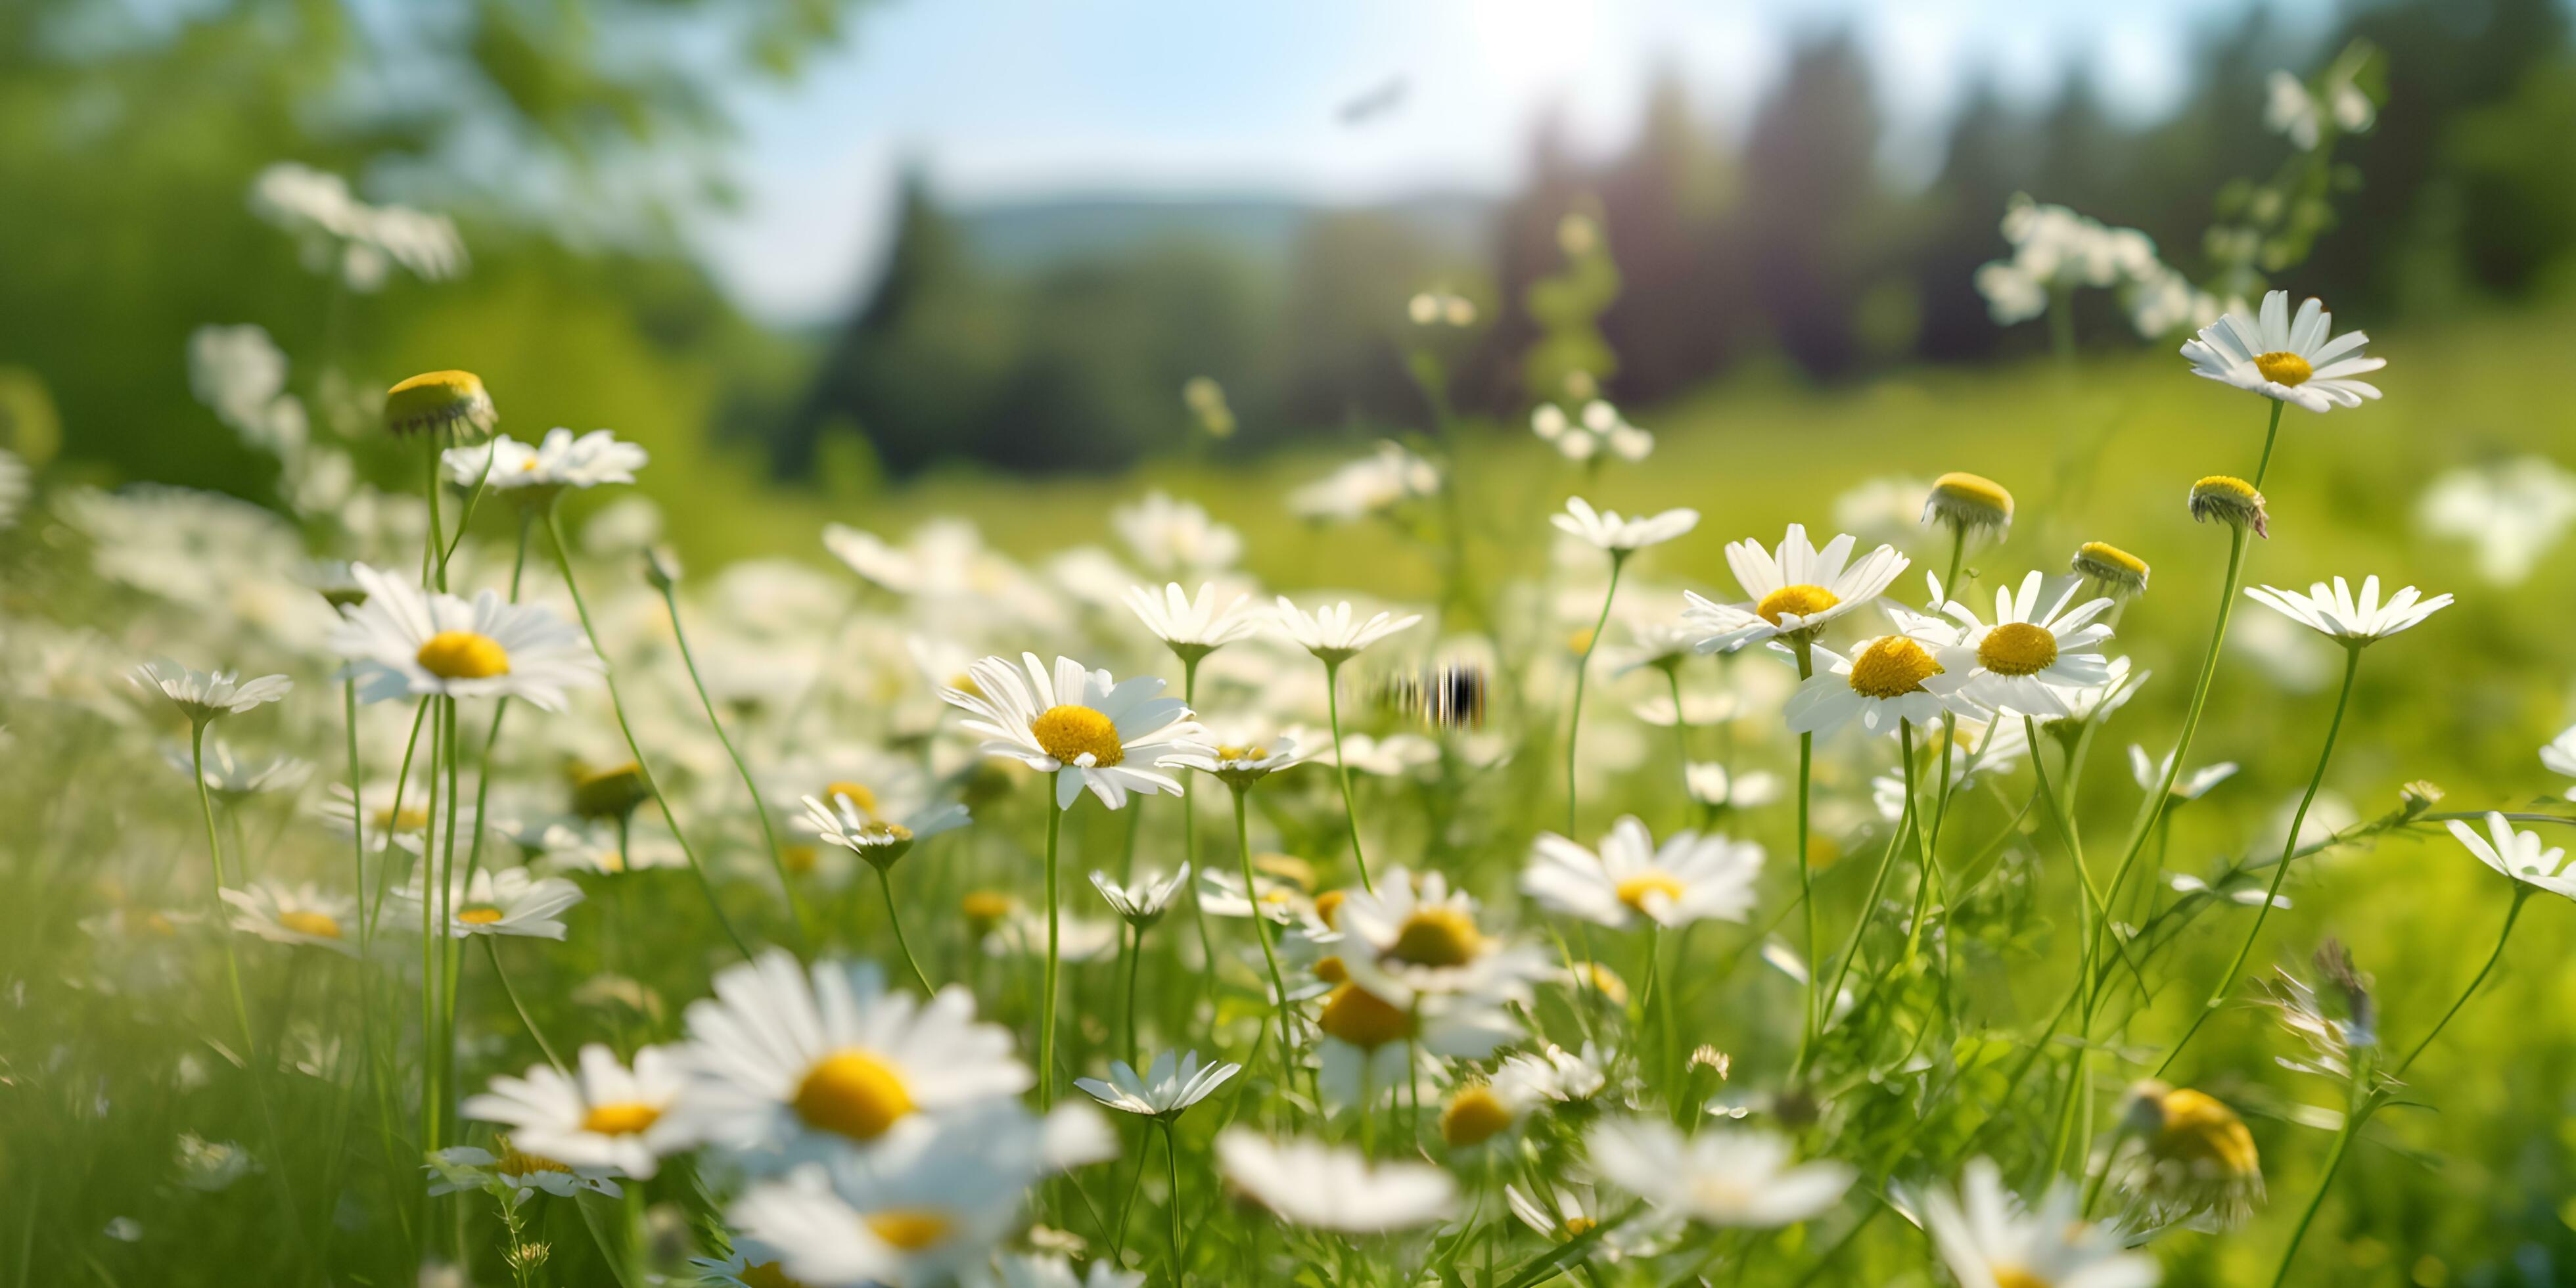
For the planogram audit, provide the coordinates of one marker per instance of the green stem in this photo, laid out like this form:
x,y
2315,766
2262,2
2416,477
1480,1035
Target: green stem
x,y
1583,671
1886,861
2334,1162
2271,435
2227,982
1172,1206
492,949
652,781
1341,767
1134,957
1681,732
1135,1182
760,807
1190,835
1046,1003
894,918
1261,932
1801,646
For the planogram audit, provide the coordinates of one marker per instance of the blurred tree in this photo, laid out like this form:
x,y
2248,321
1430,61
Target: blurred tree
x,y
1811,158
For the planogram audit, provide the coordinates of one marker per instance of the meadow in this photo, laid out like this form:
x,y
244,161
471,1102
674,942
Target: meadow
x,y
707,841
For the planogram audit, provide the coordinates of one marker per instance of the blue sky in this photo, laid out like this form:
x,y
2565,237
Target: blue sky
x,y
1012,98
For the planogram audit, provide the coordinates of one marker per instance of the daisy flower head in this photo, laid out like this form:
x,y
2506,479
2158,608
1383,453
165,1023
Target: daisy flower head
x,y
539,472
1720,1177
1794,590
299,915
923,1208
2287,359
845,823
1713,785
1690,878
2150,774
204,696
1989,1240
1553,1074
2232,501
602,1114
1240,766
452,403
1888,680
1414,937
1373,484
1221,894
512,901
2190,1158
1578,1210
1969,503
1311,1184
2110,570
1192,627
1089,730
1172,1083
408,642
789,1063
1622,535
2518,854
1144,902
2353,623
234,777
1172,536
1334,632
2039,645
1479,1111
2559,757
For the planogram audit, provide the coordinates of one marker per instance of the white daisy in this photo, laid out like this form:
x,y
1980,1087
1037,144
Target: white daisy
x,y
1333,632
234,777
1143,902
1242,765
1599,426
2032,653
846,824
299,914
1221,894
1719,1177
920,1209
2559,757
1553,1074
1990,1241
407,642
512,901
1397,755
1311,1184
547,468
1193,627
1889,679
605,1115
1619,535
203,696
1410,939
1711,784
2353,623
1370,485
1796,589
1171,1084
2518,854
1087,729
1171,536
1690,878
2150,773
790,1064
2290,360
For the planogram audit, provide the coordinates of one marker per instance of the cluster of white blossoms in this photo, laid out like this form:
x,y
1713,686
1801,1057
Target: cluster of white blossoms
x,y
352,239
2056,250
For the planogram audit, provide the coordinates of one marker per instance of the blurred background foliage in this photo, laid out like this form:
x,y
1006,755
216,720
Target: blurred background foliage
x,y
1055,337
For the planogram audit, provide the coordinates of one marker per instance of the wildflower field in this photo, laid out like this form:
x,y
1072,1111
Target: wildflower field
x,y
2089,823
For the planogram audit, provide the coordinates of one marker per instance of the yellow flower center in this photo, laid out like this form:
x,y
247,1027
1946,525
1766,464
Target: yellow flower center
x,y
2012,1276
1577,1226
861,799
623,1118
463,655
2284,368
320,925
2017,648
1960,492
1436,936
1474,1116
1243,753
1634,890
1800,601
607,793
1579,640
1328,907
853,1093
1070,733
1356,1016
985,907
510,1162
1895,666
1331,970
965,683
767,1275
481,915
409,820
528,466
2200,1128
2104,553
911,1229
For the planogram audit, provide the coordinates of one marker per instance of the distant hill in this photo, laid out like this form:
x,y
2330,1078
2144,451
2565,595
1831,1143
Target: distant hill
x,y
1022,235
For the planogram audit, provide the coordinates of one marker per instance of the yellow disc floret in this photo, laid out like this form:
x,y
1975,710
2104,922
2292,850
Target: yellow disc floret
x,y
463,655
1795,601
2015,648
1474,1116
439,400
304,921
1354,1015
1969,501
911,1229
861,799
1070,733
1328,907
1894,666
623,1118
2011,1276
2284,368
1634,890
2117,569
1437,936
482,915
853,1093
